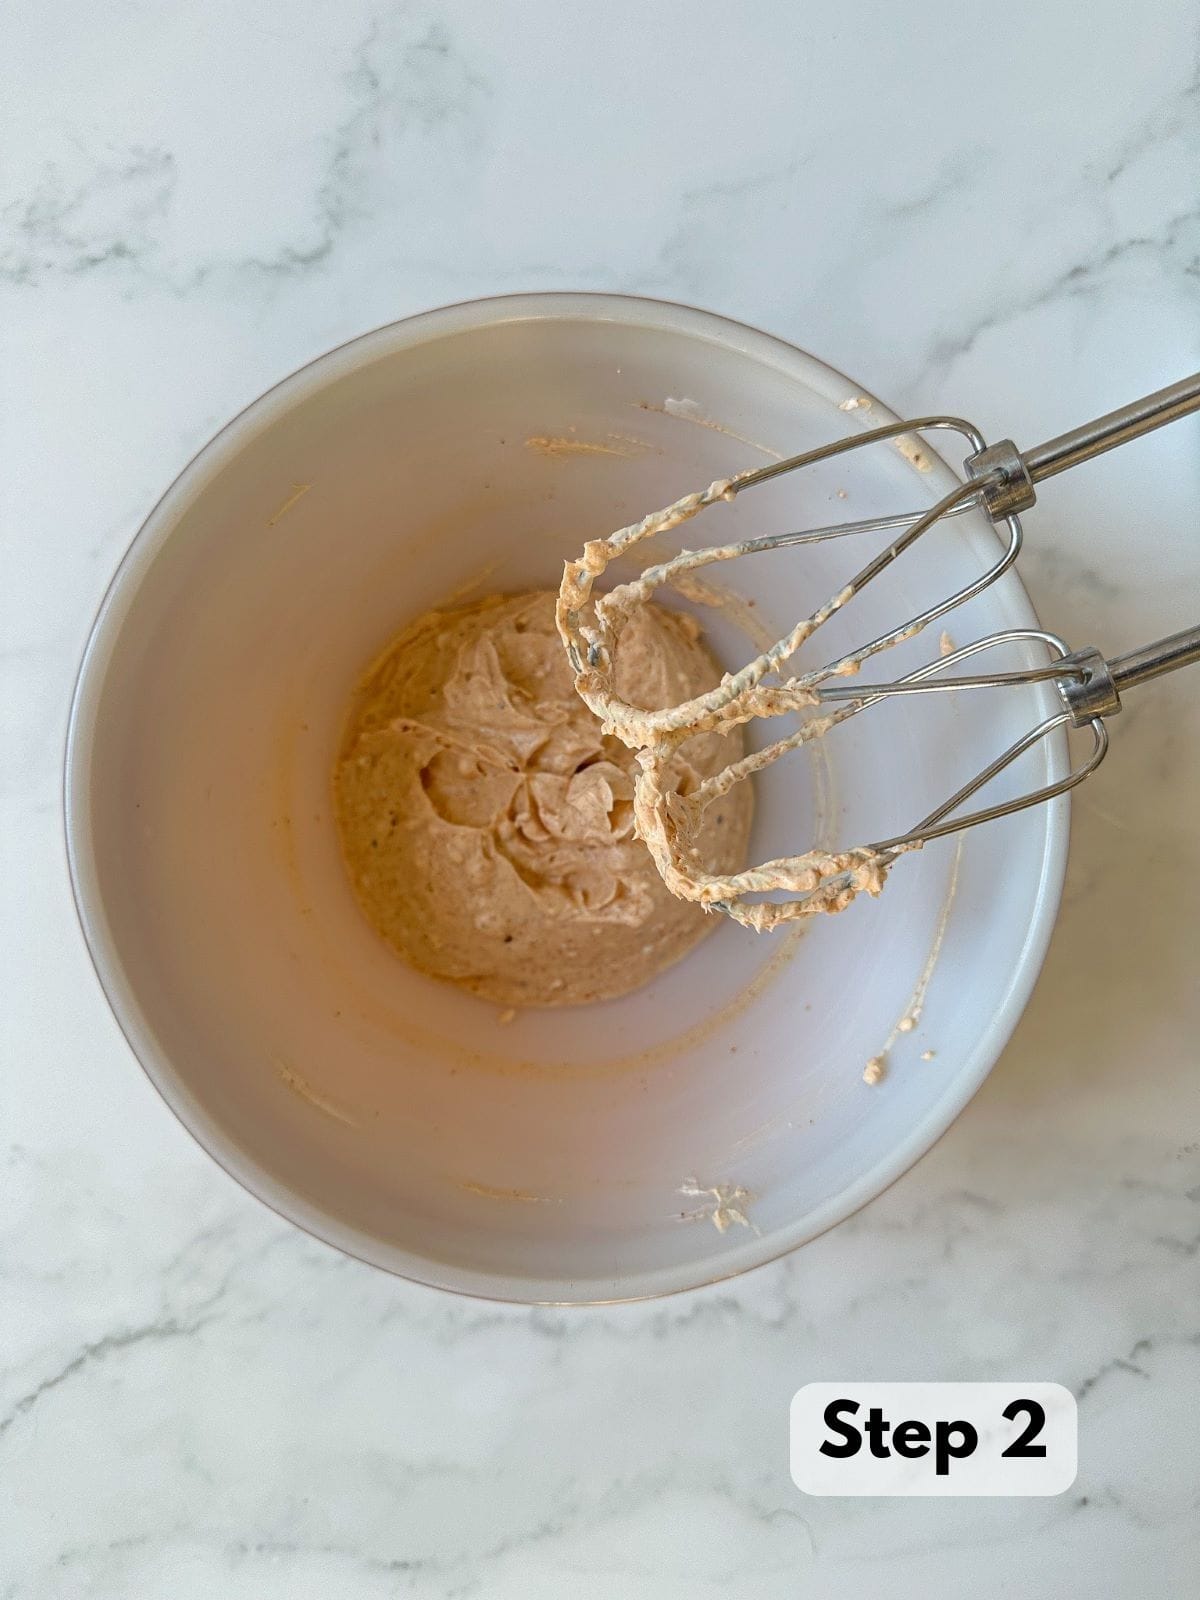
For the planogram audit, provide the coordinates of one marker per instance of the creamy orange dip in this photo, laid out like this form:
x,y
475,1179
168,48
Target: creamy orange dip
x,y
487,819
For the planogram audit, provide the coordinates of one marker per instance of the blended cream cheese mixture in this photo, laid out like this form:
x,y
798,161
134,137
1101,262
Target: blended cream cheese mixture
x,y
487,820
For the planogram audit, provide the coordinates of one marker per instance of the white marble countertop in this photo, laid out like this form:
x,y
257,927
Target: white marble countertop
x,y
991,212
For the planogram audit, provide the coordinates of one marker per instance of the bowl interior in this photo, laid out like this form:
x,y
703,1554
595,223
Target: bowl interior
x,y
567,1154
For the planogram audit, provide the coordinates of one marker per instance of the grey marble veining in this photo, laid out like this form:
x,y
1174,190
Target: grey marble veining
x,y
195,1399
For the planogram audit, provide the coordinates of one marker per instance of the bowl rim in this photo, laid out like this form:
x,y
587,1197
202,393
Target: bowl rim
x,y
218,1143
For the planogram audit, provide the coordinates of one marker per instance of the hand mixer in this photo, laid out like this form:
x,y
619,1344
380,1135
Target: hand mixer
x,y
1000,479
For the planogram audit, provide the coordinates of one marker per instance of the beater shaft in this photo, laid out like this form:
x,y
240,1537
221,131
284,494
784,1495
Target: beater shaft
x,y
1007,475
1113,429
1152,660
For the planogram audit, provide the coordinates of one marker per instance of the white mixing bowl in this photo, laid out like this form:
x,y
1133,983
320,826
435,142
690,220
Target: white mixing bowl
x,y
575,1155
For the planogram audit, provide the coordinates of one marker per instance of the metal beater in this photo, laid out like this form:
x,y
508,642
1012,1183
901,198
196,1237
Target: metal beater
x,y
1000,479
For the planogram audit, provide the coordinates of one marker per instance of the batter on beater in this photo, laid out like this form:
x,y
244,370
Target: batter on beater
x,y
487,821
669,819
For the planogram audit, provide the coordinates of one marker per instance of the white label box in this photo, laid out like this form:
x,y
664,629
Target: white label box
x,y
934,1438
